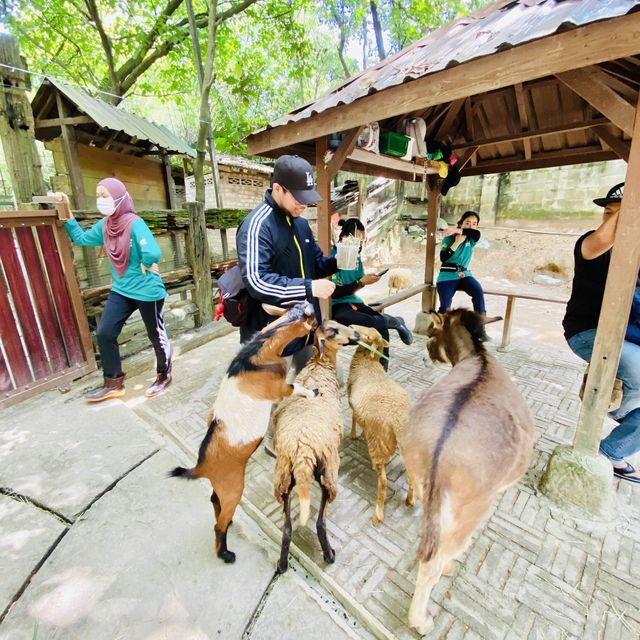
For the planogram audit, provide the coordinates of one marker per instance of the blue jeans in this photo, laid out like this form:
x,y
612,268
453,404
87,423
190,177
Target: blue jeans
x,y
470,286
624,440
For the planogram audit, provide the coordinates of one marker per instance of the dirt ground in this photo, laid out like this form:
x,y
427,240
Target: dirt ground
x,y
536,259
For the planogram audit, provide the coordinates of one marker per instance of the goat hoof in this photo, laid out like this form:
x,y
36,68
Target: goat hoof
x,y
282,566
422,626
409,501
228,557
376,521
329,555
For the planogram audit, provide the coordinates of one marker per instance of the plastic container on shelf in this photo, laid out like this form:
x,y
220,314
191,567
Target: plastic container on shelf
x,y
394,144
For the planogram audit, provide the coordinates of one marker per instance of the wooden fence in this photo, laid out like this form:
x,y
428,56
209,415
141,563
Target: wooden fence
x,y
44,334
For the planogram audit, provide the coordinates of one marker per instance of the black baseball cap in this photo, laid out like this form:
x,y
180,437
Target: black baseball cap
x,y
614,195
296,175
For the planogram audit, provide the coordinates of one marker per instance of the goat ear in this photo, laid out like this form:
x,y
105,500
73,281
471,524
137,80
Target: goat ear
x,y
321,342
272,310
436,320
490,319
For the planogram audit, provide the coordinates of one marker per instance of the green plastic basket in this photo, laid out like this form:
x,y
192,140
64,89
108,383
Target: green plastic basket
x,y
394,144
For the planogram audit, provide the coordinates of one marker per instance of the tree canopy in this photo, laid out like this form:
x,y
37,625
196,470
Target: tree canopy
x,y
270,55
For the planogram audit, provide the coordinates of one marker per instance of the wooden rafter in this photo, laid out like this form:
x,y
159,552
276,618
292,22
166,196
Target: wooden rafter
x,y
589,84
56,122
346,147
527,135
444,129
614,142
524,119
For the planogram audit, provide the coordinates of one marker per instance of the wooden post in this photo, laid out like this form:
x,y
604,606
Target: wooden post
x,y
433,211
198,256
17,127
323,187
168,182
506,327
71,157
616,303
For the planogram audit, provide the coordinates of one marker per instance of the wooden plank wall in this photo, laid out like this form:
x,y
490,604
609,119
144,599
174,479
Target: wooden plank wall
x,y
143,177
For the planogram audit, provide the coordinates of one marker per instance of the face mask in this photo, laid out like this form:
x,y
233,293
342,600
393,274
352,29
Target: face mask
x,y
106,206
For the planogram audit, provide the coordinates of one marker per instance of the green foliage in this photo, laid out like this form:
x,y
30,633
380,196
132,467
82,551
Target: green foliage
x,y
270,57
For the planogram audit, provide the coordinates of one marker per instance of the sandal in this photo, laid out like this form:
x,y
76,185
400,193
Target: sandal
x,y
625,474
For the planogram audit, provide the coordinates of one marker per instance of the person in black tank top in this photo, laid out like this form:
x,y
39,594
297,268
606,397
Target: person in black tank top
x,y
592,255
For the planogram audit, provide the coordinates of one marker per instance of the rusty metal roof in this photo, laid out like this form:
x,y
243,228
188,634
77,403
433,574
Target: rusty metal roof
x,y
117,119
500,26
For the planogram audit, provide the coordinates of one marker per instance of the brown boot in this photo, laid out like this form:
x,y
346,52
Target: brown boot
x,y
161,383
111,388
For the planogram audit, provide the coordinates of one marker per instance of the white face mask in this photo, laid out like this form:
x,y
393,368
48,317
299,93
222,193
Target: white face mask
x,y
106,206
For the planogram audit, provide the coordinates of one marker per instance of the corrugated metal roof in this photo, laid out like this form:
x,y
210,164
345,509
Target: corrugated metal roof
x,y
502,25
117,119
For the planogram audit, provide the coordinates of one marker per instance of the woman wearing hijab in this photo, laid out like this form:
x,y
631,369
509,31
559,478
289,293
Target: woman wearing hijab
x,y
133,256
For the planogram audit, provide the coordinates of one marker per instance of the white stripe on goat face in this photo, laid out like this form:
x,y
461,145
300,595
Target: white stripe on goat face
x,y
245,419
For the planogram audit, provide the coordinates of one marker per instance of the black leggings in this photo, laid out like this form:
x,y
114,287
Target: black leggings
x,y
345,313
117,311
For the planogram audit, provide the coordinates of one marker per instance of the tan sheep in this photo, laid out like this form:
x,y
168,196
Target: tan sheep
x,y
399,279
307,436
380,406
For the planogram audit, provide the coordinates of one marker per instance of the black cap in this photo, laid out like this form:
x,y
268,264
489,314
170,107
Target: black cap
x,y
614,195
296,175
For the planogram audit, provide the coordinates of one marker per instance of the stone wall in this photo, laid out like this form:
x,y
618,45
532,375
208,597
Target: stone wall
x,y
241,188
557,192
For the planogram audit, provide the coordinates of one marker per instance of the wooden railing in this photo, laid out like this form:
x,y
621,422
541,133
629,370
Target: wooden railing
x,y
508,316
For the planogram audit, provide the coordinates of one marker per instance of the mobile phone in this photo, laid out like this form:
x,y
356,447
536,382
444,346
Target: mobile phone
x,y
381,273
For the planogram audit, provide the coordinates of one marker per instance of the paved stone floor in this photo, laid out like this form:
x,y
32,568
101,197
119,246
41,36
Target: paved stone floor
x,y
532,572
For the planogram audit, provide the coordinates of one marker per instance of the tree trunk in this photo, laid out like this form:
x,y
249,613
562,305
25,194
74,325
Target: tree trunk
x,y
377,28
199,261
17,128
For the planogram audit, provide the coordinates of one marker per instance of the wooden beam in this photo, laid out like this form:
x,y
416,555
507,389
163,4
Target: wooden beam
x,y
579,155
346,147
616,303
323,187
621,147
524,119
94,140
587,45
380,160
168,182
71,157
468,115
527,135
469,154
444,129
56,122
433,211
590,85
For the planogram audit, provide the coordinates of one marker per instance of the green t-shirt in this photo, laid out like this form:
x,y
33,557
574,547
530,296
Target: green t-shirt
x,y
347,276
462,256
134,283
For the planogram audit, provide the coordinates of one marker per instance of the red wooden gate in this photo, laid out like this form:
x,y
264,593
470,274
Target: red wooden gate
x,y
44,335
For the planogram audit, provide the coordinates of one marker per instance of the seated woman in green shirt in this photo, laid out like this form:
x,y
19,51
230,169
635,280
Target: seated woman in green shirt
x,y
133,256
347,308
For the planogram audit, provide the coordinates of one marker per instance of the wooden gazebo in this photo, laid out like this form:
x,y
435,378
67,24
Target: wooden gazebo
x,y
520,84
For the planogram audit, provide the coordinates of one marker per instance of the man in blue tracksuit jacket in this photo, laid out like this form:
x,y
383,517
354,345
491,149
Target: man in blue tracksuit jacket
x,y
278,255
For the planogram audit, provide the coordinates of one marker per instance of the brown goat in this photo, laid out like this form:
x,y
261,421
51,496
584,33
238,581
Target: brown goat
x,y
238,420
307,436
469,436
380,406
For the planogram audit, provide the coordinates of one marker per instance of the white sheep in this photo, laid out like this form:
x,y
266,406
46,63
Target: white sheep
x,y
380,406
469,436
399,279
307,436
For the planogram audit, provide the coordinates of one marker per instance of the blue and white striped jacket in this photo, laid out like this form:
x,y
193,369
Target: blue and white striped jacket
x,y
278,257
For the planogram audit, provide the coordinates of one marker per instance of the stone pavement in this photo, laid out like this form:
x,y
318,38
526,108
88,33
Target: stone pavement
x,y
531,572
95,541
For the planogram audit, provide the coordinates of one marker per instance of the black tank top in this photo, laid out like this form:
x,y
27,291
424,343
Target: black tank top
x,y
583,308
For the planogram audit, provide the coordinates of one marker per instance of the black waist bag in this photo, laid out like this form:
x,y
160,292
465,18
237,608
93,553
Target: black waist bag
x,y
234,298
